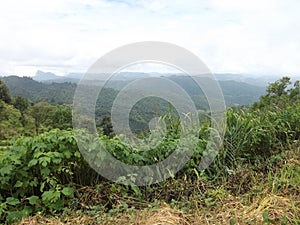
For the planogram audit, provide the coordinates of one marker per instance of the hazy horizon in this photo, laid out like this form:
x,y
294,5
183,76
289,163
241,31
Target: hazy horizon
x,y
153,72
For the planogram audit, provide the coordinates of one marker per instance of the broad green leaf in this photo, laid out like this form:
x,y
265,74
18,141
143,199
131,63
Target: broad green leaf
x,y
77,154
6,170
18,184
12,201
56,160
26,211
50,196
33,200
44,161
32,162
13,216
45,171
67,154
67,191
136,190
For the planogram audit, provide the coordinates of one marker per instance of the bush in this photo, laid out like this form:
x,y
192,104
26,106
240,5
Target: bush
x,y
39,173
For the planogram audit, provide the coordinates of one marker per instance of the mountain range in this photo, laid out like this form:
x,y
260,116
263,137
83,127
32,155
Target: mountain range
x,y
235,93
262,81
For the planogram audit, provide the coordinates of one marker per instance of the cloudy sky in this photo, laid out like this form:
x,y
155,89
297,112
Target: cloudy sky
x,y
259,37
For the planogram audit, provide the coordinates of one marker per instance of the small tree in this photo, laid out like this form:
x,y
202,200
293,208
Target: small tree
x,y
279,87
106,126
278,95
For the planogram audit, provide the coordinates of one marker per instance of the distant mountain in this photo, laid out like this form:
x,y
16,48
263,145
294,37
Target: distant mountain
x,y
48,77
45,76
247,78
262,81
76,76
256,80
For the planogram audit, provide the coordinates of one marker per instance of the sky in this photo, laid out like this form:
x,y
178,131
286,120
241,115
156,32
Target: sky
x,y
259,37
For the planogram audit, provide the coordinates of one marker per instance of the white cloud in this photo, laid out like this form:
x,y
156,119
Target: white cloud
x,y
250,36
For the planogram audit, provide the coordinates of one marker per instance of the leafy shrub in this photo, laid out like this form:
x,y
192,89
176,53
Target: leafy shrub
x,y
39,173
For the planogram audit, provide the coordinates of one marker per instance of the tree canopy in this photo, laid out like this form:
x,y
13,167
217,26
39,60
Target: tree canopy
x,y
4,93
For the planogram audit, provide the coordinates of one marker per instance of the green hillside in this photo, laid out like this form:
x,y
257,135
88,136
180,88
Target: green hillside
x,y
235,93
26,87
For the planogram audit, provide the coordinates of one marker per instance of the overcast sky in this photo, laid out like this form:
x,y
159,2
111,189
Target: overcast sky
x,y
237,36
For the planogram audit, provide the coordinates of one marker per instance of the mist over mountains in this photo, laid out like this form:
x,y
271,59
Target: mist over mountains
x,y
262,81
49,87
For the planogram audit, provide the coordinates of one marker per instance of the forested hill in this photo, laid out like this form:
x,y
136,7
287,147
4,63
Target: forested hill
x,y
234,92
36,91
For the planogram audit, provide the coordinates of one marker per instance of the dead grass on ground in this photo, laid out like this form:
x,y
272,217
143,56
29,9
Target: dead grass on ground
x,y
232,210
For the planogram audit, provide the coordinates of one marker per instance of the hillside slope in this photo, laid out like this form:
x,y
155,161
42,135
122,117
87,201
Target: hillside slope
x,y
235,93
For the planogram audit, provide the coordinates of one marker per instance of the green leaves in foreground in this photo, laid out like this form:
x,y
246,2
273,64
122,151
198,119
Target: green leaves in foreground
x,y
38,173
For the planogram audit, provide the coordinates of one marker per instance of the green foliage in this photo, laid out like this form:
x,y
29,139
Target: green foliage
x,y
22,119
285,178
4,93
254,134
48,116
41,112
10,124
295,92
278,88
62,117
39,173
279,96
21,104
106,127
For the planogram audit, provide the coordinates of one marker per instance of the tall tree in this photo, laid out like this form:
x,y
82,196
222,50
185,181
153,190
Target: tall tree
x,y
62,117
4,93
295,92
41,112
21,104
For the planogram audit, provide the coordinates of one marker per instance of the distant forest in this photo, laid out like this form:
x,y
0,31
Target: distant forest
x,y
235,93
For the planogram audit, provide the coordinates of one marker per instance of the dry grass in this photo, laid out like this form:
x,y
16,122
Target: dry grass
x,y
276,206
37,220
232,210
